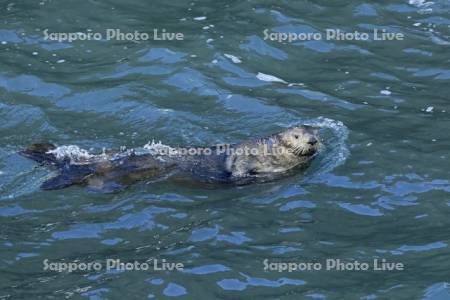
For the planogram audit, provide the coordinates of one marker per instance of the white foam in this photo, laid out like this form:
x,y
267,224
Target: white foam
x,y
74,153
233,58
423,5
159,148
420,3
269,78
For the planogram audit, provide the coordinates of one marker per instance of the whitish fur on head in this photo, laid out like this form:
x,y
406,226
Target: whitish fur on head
x,y
300,140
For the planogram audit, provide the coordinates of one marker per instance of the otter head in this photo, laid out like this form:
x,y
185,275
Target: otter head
x,y
300,140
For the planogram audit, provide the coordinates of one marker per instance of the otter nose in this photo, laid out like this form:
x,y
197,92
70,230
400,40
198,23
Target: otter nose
x,y
312,141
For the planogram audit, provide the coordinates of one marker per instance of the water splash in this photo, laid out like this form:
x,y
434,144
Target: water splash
x,y
73,152
159,148
420,3
423,5
335,150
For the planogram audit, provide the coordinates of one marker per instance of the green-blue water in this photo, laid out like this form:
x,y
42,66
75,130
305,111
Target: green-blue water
x,y
379,191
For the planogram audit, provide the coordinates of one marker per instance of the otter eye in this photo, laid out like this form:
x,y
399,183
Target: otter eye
x,y
296,136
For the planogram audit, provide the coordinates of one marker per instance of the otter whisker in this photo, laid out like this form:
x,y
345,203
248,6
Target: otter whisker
x,y
299,151
296,150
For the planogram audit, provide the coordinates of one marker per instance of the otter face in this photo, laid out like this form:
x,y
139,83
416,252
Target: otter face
x,y
301,140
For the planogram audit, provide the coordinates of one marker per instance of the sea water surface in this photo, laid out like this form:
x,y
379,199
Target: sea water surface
x,y
379,190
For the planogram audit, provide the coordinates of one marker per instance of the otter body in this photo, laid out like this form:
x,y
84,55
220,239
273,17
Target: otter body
x,y
250,161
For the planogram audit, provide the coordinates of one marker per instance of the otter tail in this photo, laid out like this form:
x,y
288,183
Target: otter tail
x,y
69,174
41,153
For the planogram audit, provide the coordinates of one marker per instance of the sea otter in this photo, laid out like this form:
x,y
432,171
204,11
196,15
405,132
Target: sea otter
x,y
250,161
